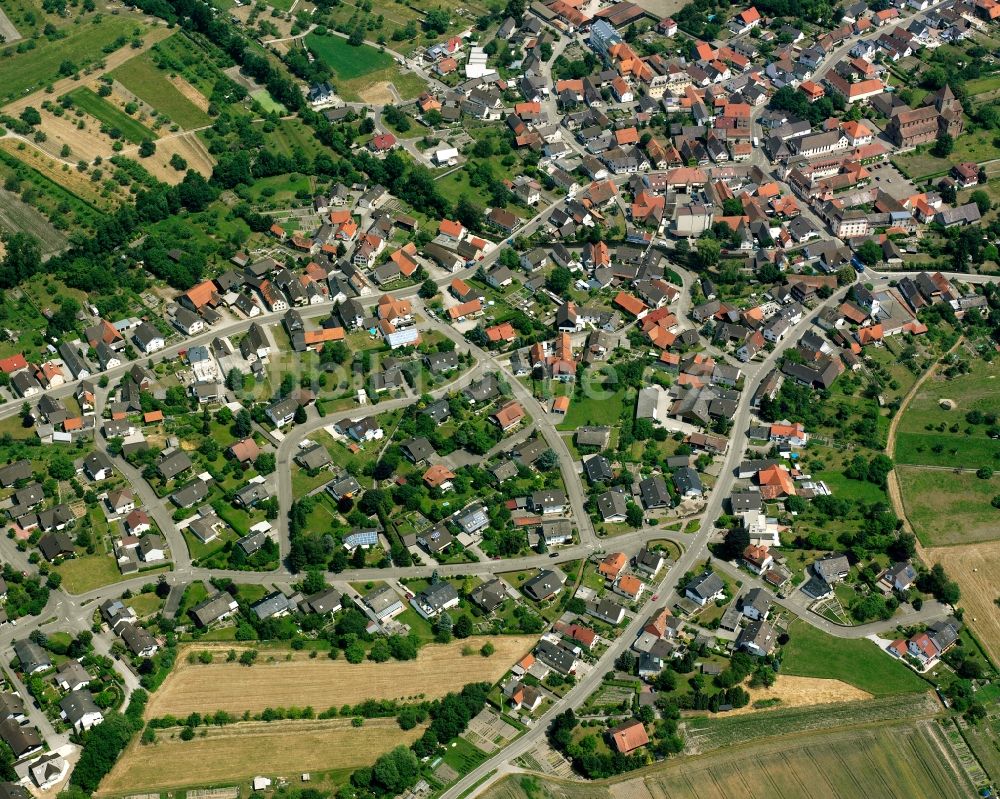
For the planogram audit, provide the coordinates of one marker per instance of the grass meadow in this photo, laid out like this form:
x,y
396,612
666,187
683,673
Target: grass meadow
x,y
148,82
31,70
858,662
103,111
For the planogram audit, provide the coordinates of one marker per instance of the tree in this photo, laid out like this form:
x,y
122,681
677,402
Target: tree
x,y
547,461
559,279
23,259
709,251
943,145
30,116
633,515
357,37
428,289
395,772
443,628
147,148
243,425
463,627
437,20
300,415
981,199
264,463
869,253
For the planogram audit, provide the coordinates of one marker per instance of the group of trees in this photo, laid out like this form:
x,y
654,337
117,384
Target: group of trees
x,y
104,743
399,769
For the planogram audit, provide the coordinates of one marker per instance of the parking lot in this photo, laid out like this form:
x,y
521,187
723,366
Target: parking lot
x,y
886,177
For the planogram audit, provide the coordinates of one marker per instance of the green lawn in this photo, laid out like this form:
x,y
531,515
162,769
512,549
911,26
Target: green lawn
x,y
346,61
142,77
113,117
920,163
981,85
846,488
357,69
594,411
812,653
145,604
268,103
87,572
28,71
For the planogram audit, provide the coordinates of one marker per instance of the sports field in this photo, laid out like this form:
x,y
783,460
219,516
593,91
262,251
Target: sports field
x,y
323,683
813,653
83,45
238,752
130,129
151,85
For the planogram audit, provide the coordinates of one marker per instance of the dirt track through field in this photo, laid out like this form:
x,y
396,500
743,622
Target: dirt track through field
x,y
322,683
238,752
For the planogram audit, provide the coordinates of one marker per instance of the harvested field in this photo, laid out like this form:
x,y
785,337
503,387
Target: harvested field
x,y
803,692
908,761
975,568
240,751
324,683
188,146
84,145
16,216
190,92
8,33
70,179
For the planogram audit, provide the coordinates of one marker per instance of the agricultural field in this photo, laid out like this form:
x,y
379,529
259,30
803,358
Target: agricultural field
x,y
185,56
238,752
131,129
175,99
812,653
925,418
26,72
64,186
789,691
16,215
962,514
361,73
937,430
974,568
901,761
323,683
